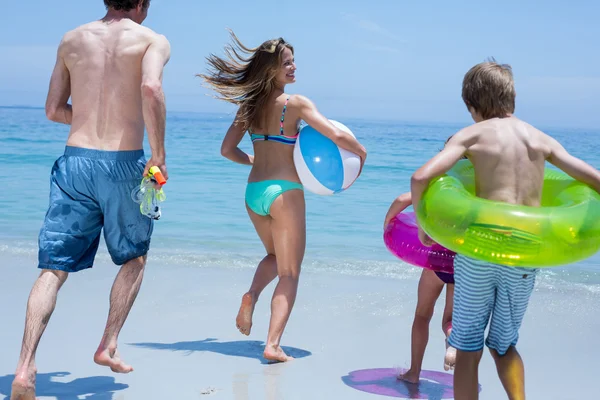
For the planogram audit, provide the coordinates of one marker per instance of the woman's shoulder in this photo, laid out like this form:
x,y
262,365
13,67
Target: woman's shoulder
x,y
299,101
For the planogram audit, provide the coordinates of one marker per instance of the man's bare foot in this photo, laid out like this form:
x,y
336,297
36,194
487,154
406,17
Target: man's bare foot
x,y
410,376
113,361
244,317
23,387
450,357
276,354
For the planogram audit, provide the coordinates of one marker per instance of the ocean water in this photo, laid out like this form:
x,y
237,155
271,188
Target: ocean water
x,y
204,221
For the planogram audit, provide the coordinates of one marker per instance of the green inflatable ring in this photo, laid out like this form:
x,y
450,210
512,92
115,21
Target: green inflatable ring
x,y
563,230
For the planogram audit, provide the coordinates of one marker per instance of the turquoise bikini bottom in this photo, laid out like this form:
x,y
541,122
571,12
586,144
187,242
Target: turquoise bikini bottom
x,y
260,195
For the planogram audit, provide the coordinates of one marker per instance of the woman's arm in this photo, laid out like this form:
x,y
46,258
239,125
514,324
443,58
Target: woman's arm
x,y
229,147
312,116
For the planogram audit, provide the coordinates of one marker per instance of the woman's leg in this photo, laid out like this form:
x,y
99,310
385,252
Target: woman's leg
x,y
265,272
288,229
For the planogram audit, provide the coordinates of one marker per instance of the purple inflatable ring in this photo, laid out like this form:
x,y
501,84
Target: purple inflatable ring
x,y
401,237
382,381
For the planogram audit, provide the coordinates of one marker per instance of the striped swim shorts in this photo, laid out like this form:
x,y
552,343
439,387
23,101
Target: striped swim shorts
x,y
485,291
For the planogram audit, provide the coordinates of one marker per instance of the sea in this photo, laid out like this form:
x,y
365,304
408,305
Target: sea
x,y
204,221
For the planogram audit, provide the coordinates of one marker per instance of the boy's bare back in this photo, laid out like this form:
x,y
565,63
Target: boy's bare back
x,y
508,154
509,157
103,64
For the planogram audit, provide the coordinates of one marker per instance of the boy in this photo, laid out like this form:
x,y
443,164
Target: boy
x,y
509,158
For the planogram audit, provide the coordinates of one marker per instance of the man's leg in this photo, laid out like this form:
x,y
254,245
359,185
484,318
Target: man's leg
x,y
127,233
122,296
40,306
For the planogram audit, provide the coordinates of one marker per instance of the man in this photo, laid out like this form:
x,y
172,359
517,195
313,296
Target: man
x,y
112,69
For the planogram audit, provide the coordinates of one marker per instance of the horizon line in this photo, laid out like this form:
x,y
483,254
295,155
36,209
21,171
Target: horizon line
x,y
363,119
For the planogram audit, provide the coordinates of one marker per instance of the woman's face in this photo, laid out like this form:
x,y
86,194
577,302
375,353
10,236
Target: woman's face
x,y
287,69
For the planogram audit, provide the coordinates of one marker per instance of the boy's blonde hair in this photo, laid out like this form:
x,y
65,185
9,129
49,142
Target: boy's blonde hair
x,y
489,89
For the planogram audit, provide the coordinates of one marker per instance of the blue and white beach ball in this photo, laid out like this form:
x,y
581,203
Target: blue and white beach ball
x,y
322,166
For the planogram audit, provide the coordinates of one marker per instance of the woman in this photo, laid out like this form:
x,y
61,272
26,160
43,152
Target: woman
x,y
255,80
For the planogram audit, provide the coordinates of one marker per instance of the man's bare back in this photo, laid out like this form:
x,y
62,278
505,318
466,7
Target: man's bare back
x,y
103,62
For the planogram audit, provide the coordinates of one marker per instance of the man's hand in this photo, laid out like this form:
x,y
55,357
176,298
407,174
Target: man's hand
x,y
158,163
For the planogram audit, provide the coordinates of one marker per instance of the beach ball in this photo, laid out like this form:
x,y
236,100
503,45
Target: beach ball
x,y
323,167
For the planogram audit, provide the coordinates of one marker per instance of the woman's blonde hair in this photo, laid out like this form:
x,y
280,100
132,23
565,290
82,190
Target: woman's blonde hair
x,y
246,77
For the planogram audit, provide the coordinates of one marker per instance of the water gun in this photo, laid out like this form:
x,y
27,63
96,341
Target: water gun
x,y
149,194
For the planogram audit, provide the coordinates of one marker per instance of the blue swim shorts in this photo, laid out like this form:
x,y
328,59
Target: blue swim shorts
x,y
483,291
91,190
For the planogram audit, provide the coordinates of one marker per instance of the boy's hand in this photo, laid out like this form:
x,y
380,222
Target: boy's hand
x,y
426,240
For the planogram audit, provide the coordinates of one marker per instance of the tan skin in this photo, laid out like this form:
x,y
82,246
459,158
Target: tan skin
x,y
430,288
112,70
283,232
508,156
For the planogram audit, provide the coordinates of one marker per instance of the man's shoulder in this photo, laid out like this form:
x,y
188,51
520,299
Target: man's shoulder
x,y
151,34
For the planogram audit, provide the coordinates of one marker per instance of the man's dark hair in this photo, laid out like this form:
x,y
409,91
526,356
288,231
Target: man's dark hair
x,y
126,5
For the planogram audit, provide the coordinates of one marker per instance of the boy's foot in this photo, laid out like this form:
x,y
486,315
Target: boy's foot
x,y
410,376
450,357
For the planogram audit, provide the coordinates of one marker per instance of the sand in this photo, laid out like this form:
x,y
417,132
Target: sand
x,y
349,335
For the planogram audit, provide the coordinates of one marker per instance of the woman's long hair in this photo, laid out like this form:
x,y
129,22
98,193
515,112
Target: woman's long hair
x,y
246,77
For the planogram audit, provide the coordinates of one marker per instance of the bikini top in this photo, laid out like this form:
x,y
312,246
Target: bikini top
x,y
281,138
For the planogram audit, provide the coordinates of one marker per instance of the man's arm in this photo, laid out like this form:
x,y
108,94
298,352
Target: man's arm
x,y
153,101
573,166
57,107
454,150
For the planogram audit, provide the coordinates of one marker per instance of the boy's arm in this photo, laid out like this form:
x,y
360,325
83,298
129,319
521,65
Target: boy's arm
x,y
454,150
573,166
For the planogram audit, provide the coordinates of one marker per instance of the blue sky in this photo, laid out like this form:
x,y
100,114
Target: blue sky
x,y
384,59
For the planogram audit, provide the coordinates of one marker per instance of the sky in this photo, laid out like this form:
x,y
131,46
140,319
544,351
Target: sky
x,y
378,59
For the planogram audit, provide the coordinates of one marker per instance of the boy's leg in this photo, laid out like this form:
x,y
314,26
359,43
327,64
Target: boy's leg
x,y
513,294
511,372
474,296
466,375
430,287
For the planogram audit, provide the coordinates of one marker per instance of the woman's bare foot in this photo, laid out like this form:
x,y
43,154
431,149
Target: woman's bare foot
x,y
450,357
276,354
23,386
410,376
244,317
113,361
